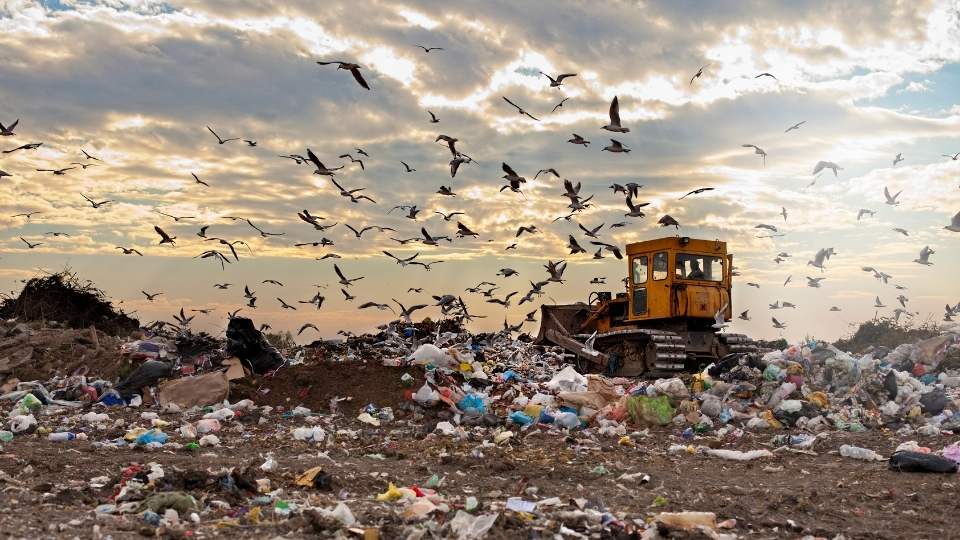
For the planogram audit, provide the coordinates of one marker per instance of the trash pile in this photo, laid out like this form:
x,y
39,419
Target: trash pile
x,y
410,433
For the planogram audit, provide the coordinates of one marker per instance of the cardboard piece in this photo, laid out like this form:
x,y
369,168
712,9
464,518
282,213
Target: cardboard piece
x,y
198,391
235,368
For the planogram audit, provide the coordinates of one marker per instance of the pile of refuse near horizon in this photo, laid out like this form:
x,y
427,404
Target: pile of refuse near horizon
x,y
811,386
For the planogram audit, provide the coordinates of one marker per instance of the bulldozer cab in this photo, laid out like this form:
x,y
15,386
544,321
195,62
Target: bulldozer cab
x,y
677,277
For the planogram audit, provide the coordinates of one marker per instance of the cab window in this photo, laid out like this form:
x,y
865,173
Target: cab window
x,y
699,267
660,266
640,270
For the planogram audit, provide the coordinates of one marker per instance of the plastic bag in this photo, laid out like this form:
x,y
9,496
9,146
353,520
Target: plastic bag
x,y
426,396
919,462
650,410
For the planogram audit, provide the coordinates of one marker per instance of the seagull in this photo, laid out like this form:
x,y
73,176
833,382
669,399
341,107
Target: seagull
x,y
428,49
447,191
519,109
783,212
359,234
353,68
777,324
433,118
550,170
343,279
532,229
556,83
308,325
219,139
795,126
353,160
451,143
29,245
754,285
401,262
313,220
574,246
924,257
698,74
198,180
864,211
897,159
321,169
28,146
611,248
57,172
556,269
891,200
767,227
834,308
822,256
317,299
786,281
616,147
27,215
505,302
766,74
668,221
878,303
432,240
7,131
285,305
953,157
614,124
507,272
954,225
592,233
176,219
759,151
272,282
901,231
463,230
129,251
577,139
697,192
447,217
720,319
4,173
426,266
407,167
222,286
821,165
814,282
745,315
405,312
150,296
164,237
350,193
558,105
635,209
381,307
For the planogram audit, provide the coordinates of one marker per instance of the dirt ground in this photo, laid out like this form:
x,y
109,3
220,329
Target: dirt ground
x,y
45,489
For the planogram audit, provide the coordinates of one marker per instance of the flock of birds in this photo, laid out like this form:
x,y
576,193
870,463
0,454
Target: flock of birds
x,y
224,251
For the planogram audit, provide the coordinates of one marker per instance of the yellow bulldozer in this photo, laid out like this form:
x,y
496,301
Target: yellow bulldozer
x,y
677,290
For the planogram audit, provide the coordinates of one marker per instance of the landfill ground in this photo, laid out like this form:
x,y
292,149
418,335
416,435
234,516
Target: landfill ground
x,y
46,486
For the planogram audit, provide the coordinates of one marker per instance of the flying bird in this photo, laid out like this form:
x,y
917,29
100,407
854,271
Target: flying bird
x,y
897,159
407,167
28,146
577,139
616,147
698,74
766,74
220,139
891,199
758,151
954,225
777,324
151,296
795,126
164,237
354,70
433,118
7,131
343,279
558,105
129,251
321,169
697,192
29,245
821,165
520,109
428,49
924,257
614,124
556,83
668,221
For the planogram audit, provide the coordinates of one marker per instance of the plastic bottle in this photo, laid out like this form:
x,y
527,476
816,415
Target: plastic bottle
x,y
856,452
61,436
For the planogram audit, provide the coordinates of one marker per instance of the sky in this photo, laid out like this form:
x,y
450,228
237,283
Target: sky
x,y
135,83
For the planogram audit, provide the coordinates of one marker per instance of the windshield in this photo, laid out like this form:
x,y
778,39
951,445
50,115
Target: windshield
x,y
703,267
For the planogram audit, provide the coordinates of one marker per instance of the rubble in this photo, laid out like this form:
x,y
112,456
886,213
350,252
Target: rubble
x,y
447,434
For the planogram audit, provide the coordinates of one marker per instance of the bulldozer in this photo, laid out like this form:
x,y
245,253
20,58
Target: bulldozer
x,y
665,322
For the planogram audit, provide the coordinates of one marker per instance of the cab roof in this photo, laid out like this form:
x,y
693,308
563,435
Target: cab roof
x,y
679,243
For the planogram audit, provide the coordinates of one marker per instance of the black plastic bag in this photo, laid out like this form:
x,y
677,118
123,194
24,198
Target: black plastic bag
x,y
905,461
247,343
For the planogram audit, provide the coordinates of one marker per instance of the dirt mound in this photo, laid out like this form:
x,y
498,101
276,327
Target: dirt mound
x,y
36,352
63,297
313,386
